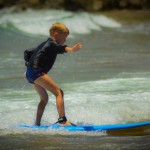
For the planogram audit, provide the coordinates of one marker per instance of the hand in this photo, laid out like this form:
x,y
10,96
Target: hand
x,y
77,47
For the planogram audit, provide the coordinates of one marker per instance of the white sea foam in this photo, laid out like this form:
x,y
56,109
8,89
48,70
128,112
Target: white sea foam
x,y
109,101
38,22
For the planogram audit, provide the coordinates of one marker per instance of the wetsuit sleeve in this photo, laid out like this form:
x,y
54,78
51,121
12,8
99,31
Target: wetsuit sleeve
x,y
60,49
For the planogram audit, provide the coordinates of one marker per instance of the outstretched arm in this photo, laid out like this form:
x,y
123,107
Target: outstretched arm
x,y
75,48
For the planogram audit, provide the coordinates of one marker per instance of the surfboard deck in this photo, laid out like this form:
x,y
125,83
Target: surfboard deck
x,y
110,129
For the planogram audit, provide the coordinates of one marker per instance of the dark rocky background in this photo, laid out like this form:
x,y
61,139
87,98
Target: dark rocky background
x,y
77,5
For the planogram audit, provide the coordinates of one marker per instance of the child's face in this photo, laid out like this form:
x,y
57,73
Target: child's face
x,y
61,38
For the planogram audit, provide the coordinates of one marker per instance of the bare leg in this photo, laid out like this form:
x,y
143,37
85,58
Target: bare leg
x,y
43,101
46,82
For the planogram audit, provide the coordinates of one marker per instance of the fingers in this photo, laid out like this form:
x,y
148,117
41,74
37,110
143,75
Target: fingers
x,y
77,47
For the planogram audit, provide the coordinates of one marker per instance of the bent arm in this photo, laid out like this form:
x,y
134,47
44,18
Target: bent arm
x,y
75,48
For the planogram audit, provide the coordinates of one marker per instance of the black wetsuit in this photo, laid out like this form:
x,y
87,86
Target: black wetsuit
x,y
45,55
42,59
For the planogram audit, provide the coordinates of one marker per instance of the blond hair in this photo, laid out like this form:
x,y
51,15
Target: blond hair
x,y
58,27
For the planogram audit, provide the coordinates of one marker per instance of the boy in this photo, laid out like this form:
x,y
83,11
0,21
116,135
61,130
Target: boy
x,y
41,62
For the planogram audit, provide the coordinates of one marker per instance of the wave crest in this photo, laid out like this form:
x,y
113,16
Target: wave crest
x,y
38,22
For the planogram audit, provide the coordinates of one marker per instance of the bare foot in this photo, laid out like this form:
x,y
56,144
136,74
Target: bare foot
x,y
68,123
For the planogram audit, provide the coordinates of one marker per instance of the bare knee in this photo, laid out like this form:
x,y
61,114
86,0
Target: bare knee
x,y
44,100
59,92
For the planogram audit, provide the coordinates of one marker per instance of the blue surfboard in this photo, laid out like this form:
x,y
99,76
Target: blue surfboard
x,y
91,128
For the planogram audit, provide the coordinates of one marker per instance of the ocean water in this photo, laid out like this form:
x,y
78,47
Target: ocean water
x,y
107,82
